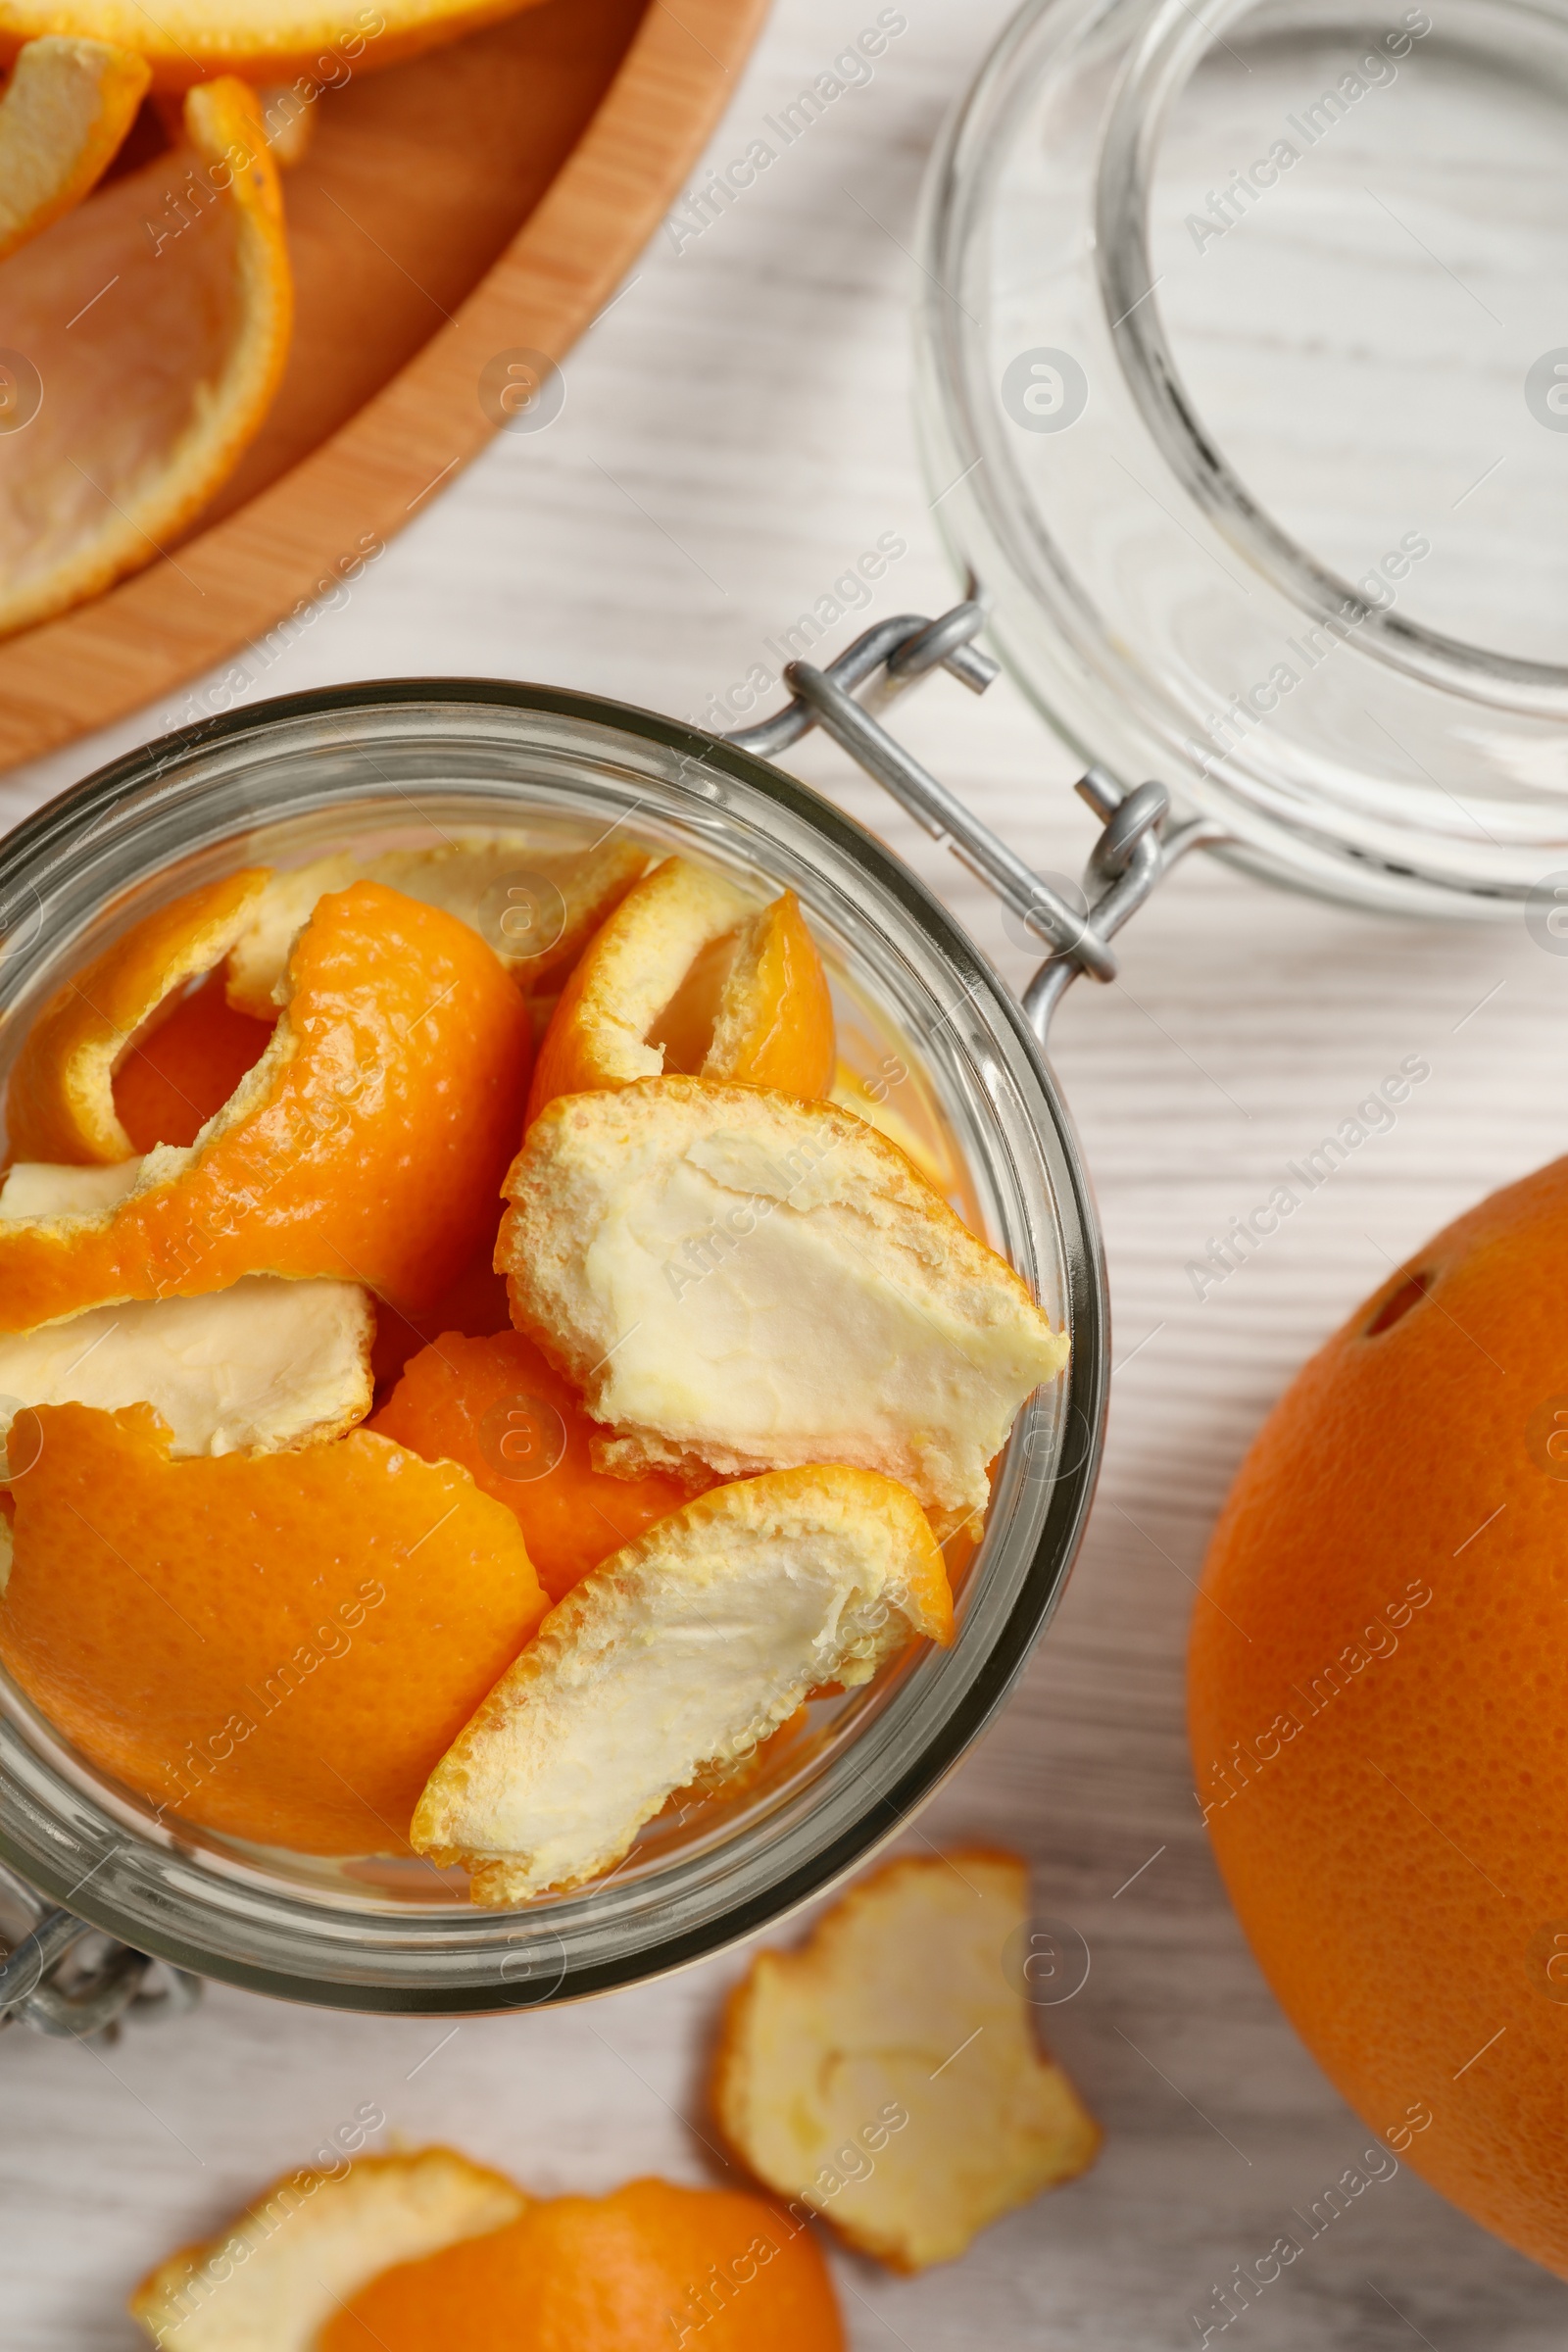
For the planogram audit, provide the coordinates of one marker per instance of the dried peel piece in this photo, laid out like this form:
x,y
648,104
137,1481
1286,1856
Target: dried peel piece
x,y
283,2269
497,1407
366,1144
280,1646
649,2265
44,1189
161,354
535,907
264,1366
887,2071
686,977
683,1649
263,41
738,1279
60,1100
66,108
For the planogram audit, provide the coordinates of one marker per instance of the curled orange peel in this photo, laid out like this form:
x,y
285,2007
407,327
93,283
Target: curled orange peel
x,y
60,1101
265,41
155,321
368,1144
687,977
66,106
279,1646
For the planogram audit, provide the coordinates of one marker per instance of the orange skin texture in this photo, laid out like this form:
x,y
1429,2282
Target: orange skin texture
x,y
790,1040
167,1089
96,1011
452,1404
377,1154
153,1603
765,971
1392,1835
617,2273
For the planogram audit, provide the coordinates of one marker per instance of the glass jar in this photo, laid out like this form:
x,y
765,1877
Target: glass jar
x,y
1244,391
382,766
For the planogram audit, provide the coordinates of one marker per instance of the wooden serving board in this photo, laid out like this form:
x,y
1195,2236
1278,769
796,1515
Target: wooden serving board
x,y
483,198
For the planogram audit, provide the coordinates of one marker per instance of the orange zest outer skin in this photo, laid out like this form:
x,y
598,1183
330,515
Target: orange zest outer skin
x,y
788,1037
1376,1705
374,1153
619,2274
58,1104
452,1404
167,1088
208,1630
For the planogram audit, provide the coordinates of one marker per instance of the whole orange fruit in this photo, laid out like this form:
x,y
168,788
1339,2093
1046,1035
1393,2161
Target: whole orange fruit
x,y
1378,1710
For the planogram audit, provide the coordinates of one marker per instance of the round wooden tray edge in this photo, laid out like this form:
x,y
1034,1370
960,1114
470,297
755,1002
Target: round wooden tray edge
x,y
233,584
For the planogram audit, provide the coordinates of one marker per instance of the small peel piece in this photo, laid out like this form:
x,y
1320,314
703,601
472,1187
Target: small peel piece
x,y
60,1103
279,1646
496,1407
683,1649
738,1279
283,2268
686,977
894,2031
535,907
637,2271
160,335
261,1367
66,108
366,1144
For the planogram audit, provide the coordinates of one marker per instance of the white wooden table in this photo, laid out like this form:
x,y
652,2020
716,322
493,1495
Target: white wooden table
x,y
736,432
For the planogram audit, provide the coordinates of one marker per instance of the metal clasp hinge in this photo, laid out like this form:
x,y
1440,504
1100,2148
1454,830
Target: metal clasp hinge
x,y
1140,843
46,1983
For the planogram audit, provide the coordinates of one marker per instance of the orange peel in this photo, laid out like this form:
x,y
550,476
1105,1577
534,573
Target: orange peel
x,y
278,1647
651,2265
887,2073
682,1650
367,1144
263,41
536,907
60,1100
158,316
737,1280
498,1409
179,1074
66,108
686,977
263,1366
285,2266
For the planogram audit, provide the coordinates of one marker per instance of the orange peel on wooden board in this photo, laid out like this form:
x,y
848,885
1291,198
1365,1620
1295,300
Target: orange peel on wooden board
x,y
684,1649
278,1647
66,106
281,2270
497,1407
688,976
367,1144
153,357
59,1098
650,2265
266,41
536,907
887,2073
737,1281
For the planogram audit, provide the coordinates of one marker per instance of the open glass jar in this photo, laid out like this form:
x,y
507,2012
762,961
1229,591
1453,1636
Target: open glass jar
x,y
1245,390
378,766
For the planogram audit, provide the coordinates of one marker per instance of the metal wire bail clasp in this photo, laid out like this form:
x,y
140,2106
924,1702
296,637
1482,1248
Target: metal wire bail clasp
x,y
63,1977
1138,845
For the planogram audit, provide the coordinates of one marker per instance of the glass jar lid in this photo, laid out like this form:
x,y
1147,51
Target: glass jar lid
x,y
1244,392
